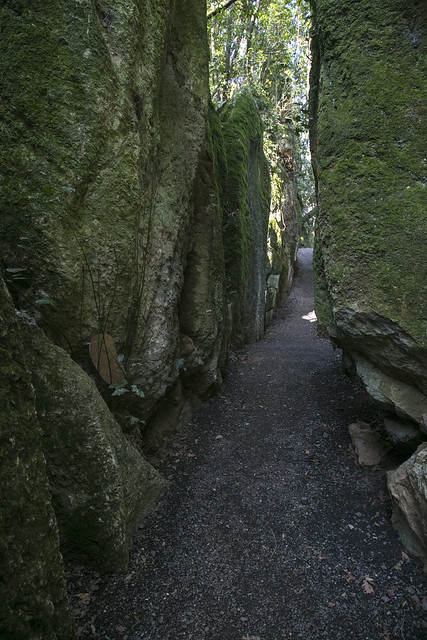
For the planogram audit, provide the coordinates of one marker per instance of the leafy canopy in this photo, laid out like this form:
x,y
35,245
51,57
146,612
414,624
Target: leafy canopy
x,y
262,44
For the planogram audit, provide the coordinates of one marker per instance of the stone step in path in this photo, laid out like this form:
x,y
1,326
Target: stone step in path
x,y
270,529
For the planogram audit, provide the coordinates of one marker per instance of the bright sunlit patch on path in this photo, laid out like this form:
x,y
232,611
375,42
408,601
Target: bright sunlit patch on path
x,y
311,317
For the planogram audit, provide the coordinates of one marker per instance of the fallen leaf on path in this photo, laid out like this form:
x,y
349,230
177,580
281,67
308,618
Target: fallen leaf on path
x,y
191,455
405,556
219,437
350,577
367,585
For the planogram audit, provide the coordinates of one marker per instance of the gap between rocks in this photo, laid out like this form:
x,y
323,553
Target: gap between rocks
x,y
270,529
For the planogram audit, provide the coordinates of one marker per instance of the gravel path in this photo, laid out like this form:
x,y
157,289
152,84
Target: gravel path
x,y
270,530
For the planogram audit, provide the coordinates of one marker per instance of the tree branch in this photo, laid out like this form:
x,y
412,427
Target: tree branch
x,y
217,10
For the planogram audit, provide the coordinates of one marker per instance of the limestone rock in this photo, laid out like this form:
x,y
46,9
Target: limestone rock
x,y
390,392
271,296
101,486
401,433
108,192
33,601
368,122
246,212
408,490
368,444
282,237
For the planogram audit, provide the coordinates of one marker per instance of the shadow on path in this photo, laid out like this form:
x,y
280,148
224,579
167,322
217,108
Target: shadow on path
x,y
270,530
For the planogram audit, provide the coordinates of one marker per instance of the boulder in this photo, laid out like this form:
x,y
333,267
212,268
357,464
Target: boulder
x,y
369,444
390,392
401,433
408,490
101,487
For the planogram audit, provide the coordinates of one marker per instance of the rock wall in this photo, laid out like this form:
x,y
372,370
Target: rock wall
x,y
285,211
105,126
368,126
133,243
111,244
408,489
246,206
33,601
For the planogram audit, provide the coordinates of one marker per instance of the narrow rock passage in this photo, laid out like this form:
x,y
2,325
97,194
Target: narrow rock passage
x,y
270,530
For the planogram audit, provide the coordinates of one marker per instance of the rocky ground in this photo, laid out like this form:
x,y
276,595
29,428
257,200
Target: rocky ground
x,y
270,529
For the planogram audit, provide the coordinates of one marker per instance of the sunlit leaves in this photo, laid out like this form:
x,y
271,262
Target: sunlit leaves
x,y
263,44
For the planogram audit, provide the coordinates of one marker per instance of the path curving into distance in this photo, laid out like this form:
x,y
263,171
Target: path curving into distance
x,y
270,530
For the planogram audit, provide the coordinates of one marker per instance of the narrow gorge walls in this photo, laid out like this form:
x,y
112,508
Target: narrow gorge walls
x,y
134,250
111,246
368,131
105,124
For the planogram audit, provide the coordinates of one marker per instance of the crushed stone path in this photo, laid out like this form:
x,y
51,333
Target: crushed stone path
x,y
270,529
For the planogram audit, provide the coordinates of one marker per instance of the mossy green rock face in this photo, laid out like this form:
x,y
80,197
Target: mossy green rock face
x,y
33,601
368,88
246,193
101,486
103,128
282,239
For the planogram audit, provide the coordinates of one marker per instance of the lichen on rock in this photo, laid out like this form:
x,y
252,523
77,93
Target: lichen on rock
x,y
101,487
246,212
285,213
368,118
33,600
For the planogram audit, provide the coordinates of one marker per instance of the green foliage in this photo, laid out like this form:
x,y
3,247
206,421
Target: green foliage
x,y
263,44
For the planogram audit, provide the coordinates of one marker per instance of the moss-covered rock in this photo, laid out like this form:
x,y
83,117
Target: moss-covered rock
x,y
246,205
33,601
202,303
285,212
368,130
104,123
101,486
